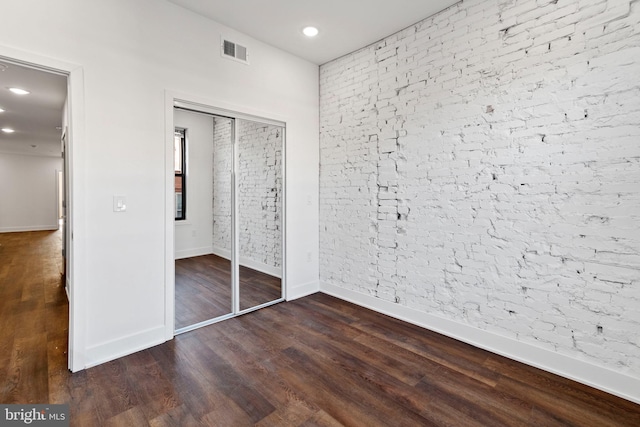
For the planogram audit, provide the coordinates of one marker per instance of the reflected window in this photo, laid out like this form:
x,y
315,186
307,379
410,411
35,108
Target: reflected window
x,y
180,166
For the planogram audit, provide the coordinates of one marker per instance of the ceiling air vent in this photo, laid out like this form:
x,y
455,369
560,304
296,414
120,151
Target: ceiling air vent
x,y
235,51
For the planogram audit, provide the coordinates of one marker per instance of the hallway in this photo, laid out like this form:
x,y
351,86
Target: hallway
x,y
34,317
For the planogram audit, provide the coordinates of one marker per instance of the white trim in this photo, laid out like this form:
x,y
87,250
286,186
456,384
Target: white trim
x,y
303,290
221,252
263,268
196,107
222,108
121,347
169,222
189,253
247,262
76,271
76,219
235,216
583,372
29,228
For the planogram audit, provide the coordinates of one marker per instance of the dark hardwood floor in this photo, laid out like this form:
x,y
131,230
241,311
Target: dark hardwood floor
x,y
203,289
33,316
317,361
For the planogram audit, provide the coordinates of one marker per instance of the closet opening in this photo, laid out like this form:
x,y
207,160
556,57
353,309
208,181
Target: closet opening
x,y
229,215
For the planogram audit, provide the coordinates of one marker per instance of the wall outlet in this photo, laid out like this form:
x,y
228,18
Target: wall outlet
x,y
309,256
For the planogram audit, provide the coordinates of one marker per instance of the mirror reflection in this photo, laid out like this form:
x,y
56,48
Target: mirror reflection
x,y
228,216
203,234
259,196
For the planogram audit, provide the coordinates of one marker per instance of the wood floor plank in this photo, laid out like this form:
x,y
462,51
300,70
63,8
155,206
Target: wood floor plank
x,y
118,397
180,416
316,361
579,394
148,382
566,410
384,385
131,417
281,395
476,399
460,359
203,288
348,339
27,373
321,419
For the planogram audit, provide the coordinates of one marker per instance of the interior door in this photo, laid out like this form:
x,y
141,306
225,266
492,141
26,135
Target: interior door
x,y
63,203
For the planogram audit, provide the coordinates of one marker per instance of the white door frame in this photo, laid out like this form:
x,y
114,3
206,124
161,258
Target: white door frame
x,y
76,274
220,108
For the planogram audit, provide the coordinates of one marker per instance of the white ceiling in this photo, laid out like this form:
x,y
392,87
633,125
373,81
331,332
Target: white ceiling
x,y
34,117
345,25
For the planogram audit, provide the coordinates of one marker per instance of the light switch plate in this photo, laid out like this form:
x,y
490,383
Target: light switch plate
x,y
119,203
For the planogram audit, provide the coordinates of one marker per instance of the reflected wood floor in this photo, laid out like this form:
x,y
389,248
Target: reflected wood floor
x,y
317,361
203,288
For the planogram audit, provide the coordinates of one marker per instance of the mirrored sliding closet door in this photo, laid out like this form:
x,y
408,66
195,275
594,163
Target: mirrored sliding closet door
x,y
259,196
229,190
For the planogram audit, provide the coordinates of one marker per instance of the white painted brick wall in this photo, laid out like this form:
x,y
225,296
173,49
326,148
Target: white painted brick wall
x,y
483,165
222,166
259,194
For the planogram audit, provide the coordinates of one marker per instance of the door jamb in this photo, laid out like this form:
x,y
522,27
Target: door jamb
x,y
76,273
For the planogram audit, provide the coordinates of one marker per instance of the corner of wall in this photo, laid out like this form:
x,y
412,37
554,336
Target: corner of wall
x,y
303,290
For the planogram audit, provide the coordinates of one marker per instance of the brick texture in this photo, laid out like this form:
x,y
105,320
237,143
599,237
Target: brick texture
x,y
259,195
483,166
222,166
259,176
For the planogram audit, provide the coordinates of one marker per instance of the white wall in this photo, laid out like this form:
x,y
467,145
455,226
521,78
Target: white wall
x,y
194,236
480,174
131,53
28,192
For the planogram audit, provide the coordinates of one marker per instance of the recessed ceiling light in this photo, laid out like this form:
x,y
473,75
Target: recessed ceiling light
x,y
1,110
19,91
8,130
310,31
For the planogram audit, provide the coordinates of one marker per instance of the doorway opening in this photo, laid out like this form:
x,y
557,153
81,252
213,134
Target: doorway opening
x,y
228,214
34,144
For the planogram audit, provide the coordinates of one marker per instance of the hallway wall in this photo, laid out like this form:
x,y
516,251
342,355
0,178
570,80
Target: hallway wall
x,y
28,192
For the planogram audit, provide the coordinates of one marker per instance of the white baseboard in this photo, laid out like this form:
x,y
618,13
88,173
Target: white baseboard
x,y
303,290
586,373
263,268
189,253
121,347
29,228
247,262
223,253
